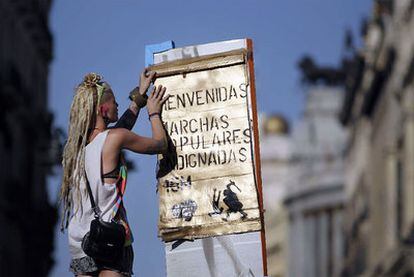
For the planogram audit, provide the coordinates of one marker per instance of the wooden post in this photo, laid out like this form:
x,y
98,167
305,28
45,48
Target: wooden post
x,y
257,163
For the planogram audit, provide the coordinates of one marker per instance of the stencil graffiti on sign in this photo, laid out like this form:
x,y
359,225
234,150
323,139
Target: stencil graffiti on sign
x,y
230,199
217,210
177,184
185,209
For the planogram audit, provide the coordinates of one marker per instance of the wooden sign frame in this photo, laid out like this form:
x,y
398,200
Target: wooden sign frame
x,y
224,59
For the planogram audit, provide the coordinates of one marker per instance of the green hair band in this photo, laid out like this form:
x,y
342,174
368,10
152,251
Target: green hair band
x,y
100,89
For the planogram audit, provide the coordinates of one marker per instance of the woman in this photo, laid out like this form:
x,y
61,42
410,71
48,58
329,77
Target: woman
x,y
93,151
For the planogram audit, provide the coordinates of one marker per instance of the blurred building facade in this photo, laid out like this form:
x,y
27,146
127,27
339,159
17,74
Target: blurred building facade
x,y
276,157
26,217
378,111
314,198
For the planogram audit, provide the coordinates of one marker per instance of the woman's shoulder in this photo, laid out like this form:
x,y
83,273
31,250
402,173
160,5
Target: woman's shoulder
x,y
121,138
117,132
117,135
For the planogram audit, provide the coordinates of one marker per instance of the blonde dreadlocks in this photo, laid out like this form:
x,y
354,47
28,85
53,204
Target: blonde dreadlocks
x,y
83,111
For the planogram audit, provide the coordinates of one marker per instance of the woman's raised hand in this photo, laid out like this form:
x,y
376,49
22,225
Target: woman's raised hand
x,y
156,99
145,80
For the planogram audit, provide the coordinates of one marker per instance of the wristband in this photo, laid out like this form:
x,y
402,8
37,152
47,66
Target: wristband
x,y
153,114
138,98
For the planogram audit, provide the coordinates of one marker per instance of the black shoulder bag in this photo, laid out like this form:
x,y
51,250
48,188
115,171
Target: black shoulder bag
x,y
105,240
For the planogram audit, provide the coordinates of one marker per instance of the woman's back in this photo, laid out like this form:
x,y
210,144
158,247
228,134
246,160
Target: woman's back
x,y
105,195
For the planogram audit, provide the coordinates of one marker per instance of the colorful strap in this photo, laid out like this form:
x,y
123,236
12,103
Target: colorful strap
x,y
121,186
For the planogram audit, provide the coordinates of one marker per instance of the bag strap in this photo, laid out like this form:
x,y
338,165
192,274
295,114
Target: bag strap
x,y
121,185
95,209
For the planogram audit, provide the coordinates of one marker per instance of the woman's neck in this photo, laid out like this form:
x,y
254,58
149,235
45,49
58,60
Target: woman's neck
x,y
100,126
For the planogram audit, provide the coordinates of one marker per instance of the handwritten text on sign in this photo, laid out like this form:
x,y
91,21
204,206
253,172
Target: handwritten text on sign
x,y
210,188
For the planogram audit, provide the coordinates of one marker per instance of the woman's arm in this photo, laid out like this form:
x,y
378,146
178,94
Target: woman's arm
x,y
140,144
158,142
129,117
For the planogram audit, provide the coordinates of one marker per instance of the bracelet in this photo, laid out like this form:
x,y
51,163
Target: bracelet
x,y
153,114
138,98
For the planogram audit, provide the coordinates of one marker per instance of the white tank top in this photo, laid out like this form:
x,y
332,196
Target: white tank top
x,y
105,196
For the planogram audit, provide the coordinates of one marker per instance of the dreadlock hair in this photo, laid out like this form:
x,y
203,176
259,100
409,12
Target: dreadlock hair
x,y
83,112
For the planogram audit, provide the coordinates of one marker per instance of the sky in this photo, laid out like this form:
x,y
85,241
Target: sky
x,y
109,37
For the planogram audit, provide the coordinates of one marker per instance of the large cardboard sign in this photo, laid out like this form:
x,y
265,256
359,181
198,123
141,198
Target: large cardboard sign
x,y
207,182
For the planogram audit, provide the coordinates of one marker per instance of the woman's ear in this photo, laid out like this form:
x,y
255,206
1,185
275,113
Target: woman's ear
x,y
103,110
